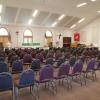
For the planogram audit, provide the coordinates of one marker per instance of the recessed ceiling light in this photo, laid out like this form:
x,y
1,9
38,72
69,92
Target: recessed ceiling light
x,y
29,22
81,20
54,24
61,17
73,26
98,11
93,0
82,4
35,13
0,8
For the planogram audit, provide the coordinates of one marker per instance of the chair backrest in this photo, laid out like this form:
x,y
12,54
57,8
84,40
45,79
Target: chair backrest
x,y
27,58
39,56
35,64
13,58
67,55
46,72
78,67
58,55
2,59
91,64
6,81
17,65
26,78
3,67
49,55
72,61
49,61
63,69
60,61
82,58
98,65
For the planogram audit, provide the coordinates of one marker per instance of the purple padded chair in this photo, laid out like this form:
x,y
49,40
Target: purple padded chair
x,y
62,73
6,82
97,66
46,76
27,79
17,67
3,67
91,65
90,69
27,58
77,72
78,68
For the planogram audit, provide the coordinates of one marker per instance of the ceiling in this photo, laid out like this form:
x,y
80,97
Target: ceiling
x,y
18,12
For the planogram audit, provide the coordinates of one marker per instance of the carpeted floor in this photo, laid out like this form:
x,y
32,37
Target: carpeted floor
x,y
89,92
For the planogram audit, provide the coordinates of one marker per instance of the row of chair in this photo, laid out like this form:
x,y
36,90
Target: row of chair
x,y
17,65
27,77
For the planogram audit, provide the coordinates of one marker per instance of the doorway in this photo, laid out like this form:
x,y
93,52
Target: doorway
x,y
49,38
66,41
5,38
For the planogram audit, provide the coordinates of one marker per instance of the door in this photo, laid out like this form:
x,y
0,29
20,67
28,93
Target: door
x,y
66,41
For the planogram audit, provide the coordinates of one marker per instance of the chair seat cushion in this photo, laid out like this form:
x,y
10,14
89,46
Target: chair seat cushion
x,y
42,81
73,74
59,77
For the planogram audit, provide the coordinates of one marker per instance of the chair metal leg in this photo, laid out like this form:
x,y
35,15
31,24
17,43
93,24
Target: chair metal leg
x,y
84,78
53,86
62,81
13,96
70,82
93,75
76,77
35,92
80,79
30,89
67,81
16,93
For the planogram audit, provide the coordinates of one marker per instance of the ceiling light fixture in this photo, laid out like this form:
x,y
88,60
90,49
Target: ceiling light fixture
x,y
82,4
61,17
35,13
54,24
81,20
0,8
73,26
29,22
93,0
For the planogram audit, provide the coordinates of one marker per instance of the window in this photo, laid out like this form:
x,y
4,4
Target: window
x,y
3,32
5,38
28,36
48,34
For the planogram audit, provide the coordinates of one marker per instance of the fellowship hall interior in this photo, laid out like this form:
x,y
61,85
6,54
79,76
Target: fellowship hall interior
x,y
49,49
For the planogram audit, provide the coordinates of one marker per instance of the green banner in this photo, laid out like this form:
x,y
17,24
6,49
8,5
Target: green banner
x,y
30,44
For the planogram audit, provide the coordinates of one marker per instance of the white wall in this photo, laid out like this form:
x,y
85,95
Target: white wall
x,y
91,33
38,34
